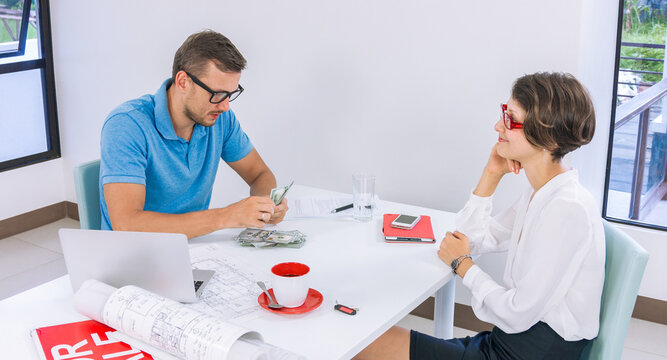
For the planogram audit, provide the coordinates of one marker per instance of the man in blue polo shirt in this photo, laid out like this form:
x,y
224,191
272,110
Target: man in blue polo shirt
x,y
160,152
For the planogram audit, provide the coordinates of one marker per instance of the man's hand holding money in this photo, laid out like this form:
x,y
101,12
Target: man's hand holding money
x,y
279,212
254,211
278,197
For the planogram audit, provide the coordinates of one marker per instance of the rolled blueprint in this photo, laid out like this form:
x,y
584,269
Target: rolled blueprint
x,y
166,324
91,297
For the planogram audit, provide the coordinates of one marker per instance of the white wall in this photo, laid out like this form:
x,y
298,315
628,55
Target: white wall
x,y
30,188
332,88
655,242
597,51
337,87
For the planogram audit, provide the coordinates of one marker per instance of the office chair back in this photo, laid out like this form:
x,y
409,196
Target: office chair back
x,y
87,187
624,268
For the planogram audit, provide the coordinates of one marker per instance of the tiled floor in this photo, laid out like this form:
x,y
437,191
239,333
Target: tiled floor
x,y
34,257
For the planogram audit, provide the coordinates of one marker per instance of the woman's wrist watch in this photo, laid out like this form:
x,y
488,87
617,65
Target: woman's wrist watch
x,y
455,264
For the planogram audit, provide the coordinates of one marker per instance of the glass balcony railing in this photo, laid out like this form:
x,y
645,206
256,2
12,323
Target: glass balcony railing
x,y
636,181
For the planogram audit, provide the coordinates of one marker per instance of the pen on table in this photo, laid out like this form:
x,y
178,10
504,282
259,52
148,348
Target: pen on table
x,y
348,206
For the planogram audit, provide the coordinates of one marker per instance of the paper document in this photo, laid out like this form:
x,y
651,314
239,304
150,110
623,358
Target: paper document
x,y
233,290
169,325
322,206
148,321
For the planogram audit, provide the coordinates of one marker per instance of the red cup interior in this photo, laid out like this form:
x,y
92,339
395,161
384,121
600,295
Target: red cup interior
x,y
290,269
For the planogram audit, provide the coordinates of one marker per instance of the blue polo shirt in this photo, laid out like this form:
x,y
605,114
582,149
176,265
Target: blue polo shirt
x,y
139,145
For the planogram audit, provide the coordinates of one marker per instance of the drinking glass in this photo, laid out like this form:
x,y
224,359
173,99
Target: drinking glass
x,y
363,195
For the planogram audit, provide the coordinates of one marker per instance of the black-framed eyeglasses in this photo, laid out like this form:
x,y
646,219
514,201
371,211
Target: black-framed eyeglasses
x,y
217,96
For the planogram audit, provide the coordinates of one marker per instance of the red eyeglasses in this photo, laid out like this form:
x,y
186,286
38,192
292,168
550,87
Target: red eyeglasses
x,y
510,124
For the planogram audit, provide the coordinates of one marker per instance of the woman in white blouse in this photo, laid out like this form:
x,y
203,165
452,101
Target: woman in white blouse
x,y
548,304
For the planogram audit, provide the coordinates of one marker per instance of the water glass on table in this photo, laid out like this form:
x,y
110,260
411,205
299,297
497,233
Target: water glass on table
x,y
363,195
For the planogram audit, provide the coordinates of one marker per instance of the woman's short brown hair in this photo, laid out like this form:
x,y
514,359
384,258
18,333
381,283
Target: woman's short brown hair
x,y
202,47
559,112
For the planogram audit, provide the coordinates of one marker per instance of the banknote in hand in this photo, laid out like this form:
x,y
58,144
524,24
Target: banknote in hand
x,y
278,194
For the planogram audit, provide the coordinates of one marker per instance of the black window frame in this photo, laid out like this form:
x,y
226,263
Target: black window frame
x,y
23,32
617,62
45,63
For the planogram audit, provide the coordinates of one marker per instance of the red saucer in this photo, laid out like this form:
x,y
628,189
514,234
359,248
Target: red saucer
x,y
313,301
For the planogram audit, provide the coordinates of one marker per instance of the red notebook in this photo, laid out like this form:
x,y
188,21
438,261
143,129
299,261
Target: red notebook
x,y
422,232
82,340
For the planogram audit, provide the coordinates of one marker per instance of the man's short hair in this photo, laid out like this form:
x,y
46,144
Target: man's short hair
x,y
202,47
559,112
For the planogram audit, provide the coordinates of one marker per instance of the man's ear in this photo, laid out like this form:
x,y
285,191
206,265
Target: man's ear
x,y
180,81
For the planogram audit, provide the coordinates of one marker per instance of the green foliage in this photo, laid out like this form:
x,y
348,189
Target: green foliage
x,y
642,24
11,4
658,37
12,23
4,35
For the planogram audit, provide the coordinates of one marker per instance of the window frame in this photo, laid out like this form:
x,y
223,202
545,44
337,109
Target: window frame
x,y
45,63
23,32
610,145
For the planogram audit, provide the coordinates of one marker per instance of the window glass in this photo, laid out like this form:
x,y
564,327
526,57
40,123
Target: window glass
x,y
22,131
636,189
31,53
15,19
28,120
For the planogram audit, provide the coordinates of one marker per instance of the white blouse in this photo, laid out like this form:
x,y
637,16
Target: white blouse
x,y
555,263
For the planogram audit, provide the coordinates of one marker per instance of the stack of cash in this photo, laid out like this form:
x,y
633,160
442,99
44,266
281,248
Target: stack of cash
x,y
271,238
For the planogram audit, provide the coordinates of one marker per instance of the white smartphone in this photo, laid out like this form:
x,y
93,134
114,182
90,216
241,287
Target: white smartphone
x,y
406,222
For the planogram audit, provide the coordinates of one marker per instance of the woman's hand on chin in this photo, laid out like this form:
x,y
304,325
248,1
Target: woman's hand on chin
x,y
495,169
499,166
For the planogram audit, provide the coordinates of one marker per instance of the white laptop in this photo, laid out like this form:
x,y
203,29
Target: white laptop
x,y
157,262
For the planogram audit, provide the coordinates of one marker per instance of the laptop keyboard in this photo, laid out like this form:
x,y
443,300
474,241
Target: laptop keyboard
x,y
198,284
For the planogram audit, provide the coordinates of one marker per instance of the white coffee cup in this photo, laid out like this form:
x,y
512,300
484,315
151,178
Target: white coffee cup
x,y
290,283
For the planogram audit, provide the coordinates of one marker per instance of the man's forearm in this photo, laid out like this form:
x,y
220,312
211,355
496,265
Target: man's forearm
x,y
263,184
191,224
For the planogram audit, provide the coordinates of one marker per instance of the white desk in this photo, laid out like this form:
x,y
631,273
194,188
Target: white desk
x,y
349,261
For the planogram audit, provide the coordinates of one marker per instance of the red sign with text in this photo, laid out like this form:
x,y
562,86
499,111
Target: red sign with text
x,y
84,340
